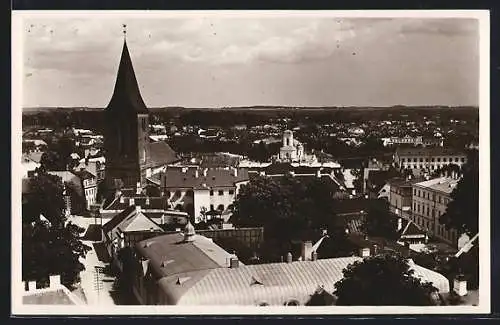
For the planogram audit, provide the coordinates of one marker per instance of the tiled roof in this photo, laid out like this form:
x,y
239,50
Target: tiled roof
x,y
174,177
126,95
161,153
428,151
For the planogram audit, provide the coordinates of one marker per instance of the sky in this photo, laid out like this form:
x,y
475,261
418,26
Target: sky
x,y
221,61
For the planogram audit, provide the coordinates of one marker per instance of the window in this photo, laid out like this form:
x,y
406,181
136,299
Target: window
x,y
426,159
456,159
220,207
421,159
445,159
438,159
231,192
462,159
439,198
414,191
427,211
211,192
402,160
221,192
414,159
432,159
211,207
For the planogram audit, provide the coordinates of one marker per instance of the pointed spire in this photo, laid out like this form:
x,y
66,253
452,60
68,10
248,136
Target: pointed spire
x,y
126,95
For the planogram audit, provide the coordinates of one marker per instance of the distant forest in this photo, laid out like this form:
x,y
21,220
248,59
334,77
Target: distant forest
x,y
93,118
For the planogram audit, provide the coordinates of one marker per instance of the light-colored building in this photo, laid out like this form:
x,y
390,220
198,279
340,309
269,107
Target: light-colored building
x,y
429,201
55,294
200,190
292,150
427,159
189,269
89,182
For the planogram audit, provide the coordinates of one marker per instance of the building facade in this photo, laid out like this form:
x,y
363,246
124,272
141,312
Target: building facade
x,y
198,191
429,201
427,159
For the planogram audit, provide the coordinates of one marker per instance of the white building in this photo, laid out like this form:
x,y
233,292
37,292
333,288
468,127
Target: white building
x,y
429,201
427,159
292,150
202,191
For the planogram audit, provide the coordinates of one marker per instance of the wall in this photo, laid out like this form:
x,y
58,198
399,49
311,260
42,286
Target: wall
x,y
252,237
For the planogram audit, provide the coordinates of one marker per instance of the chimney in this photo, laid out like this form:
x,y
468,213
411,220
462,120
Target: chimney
x,y
400,224
235,172
460,285
196,173
289,257
314,256
122,199
54,281
205,172
364,252
138,188
318,173
131,201
31,285
234,263
306,250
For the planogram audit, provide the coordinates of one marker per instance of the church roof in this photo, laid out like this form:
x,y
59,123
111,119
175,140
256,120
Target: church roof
x,y
162,154
126,95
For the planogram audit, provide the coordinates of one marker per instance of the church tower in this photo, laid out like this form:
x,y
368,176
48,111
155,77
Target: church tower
x,y
127,129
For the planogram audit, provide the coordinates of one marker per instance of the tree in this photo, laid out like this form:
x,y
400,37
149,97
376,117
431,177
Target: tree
x,y
288,208
50,245
379,221
382,280
462,212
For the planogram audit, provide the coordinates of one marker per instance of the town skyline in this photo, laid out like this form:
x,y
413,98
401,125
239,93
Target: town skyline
x,y
288,61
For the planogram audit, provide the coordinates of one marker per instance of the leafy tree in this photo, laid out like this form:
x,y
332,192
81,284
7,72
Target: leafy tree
x,y
462,212
288,208
382,280
50,245
379,221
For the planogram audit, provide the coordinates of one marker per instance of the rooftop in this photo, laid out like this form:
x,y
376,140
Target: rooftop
x,y
428,151
161,153
177,177
129,220
441,184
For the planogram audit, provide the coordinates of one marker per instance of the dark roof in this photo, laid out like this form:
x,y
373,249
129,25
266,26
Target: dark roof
x,y
378,178
427,151
118,218
126,95
155,203
161,153
84,174
351,205
174,177
55,297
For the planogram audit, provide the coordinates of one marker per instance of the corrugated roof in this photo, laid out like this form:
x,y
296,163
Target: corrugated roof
x,y
49,297
174,177
126,95
279,283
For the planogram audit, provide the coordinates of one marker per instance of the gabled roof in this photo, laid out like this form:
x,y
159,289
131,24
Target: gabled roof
x,y
126,95
411,229
130,219
161,153
151,203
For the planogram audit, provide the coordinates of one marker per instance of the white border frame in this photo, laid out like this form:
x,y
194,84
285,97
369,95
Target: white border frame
x,y
484,180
